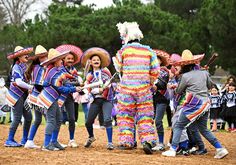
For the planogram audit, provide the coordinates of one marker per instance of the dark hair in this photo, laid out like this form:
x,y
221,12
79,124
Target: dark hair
x,y
135,40
10,72
215,86
232,84
30,68
187,68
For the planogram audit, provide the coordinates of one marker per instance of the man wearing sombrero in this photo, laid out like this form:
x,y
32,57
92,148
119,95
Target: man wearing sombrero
x,y
99,59
139,67
17,94
35,74
195,84
160,100
53,88
72,58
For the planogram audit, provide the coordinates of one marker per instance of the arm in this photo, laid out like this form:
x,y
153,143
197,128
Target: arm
x,y
154,67
162,80
182,85
23,84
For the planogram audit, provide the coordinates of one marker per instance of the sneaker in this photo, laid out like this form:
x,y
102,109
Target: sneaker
x,y
221,153
200,152
170,153
30,144
135,145
72,144
184,152
89,142
50,147
63,145
159,147
147,148
12,143
124,147
58,145
110,146
193,150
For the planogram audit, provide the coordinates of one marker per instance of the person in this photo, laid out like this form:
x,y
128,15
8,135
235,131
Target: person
x,y
195,84
67,100
215,109
229,107
17,95
160,101
99,59
139,67
226,85
35,74
3,94
53,87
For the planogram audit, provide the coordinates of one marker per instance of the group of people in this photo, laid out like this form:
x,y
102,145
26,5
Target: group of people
x,y
148,80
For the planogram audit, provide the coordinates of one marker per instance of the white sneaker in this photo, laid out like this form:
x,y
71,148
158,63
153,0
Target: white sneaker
x,y
169,153
72,144
63,145
221,153
67,122
30,144
159,147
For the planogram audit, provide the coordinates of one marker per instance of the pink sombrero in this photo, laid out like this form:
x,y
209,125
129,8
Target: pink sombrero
x,y
102,53
164,56
174,58
74,50
40,51
19,51
188,58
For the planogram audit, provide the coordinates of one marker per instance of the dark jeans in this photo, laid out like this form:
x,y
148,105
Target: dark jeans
x,y
76,105
54,119
99,105
70,110
200,124
18,111
160,111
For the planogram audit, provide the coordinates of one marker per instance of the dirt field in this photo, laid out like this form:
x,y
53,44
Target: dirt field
x,y
98,154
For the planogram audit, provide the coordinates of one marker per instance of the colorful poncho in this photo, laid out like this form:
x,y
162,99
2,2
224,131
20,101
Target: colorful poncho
x,y
15,92
139,67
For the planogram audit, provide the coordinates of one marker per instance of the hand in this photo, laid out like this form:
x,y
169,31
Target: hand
x,y
30,89
101,90
154,87
78,89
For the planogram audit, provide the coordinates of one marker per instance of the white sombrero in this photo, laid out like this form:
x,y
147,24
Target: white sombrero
x,y
53,56
40,51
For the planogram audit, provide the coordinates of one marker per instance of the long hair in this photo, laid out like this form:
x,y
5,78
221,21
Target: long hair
x,y
10,72
30,68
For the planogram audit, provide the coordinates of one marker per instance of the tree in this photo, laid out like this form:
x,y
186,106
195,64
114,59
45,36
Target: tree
x,y
16,9
3,19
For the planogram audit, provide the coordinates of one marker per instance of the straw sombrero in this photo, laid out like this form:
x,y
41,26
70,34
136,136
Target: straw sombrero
x,y
53,56
188,58
102,53
74,50
174,58
40,51
164,56
19,51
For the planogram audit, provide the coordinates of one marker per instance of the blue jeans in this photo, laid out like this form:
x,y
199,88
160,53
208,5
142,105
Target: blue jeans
x,y
200,123
85,109
160,111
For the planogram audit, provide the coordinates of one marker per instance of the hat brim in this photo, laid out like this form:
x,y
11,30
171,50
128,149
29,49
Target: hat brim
x,y
102,53
54,59
19,53
164,56
74,50
37,56
196,59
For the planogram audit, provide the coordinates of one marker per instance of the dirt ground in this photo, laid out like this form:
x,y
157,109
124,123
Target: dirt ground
x,y
98,154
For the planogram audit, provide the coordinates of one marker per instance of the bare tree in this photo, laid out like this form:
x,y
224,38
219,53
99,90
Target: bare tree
x,y
3,18
16,9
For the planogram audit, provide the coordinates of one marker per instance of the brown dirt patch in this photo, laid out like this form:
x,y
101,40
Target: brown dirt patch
x,y
98,154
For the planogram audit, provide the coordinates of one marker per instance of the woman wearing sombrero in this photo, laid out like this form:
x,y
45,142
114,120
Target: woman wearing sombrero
x,y
17,94
71,58
100,59
52,88
160,101
195,84
35,74
139,67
